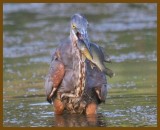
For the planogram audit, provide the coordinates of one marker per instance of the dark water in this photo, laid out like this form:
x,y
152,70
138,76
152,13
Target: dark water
x,y
128,32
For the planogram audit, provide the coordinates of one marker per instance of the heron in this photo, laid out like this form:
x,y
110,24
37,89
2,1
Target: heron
x,y
72,85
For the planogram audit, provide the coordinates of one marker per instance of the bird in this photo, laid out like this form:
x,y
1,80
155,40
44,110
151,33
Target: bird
x,y
96,55
72,85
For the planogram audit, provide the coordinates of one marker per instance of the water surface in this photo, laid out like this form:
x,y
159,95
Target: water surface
x,y
128,32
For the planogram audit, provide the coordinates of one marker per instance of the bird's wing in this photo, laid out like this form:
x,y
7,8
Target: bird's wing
x,y
54,77
101,92
96,80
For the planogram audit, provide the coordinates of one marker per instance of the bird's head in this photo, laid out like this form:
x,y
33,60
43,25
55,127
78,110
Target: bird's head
x,y
79,25
78,30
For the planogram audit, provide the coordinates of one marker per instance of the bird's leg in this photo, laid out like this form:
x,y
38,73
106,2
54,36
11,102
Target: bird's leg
x,y
58,106
91,109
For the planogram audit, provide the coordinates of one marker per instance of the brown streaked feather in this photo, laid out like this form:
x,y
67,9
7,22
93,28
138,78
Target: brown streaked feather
x,y
55,76
57,73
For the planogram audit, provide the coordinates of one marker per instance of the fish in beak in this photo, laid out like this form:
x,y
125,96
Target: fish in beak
x,y
81,38
84,49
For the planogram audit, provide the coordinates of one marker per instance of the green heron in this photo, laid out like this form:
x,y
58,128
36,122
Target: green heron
x,y
72,84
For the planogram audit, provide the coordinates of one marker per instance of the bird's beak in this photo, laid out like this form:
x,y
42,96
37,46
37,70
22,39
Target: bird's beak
x,y
82,35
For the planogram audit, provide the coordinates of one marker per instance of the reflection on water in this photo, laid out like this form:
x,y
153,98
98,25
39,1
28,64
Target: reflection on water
x,y
75,120
128,32
41,114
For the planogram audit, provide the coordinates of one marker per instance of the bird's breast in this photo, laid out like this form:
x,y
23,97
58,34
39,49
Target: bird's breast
x,y
79,72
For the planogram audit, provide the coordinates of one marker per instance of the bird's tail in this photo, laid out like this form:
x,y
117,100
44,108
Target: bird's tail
x,y
108,72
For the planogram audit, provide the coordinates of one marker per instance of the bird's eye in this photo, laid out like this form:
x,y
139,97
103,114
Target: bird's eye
x,y
73,26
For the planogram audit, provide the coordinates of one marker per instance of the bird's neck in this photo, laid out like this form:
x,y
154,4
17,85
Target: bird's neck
x,y
72,36
79,68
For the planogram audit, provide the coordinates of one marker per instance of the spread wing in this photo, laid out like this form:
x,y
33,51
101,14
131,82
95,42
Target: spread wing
x,y
54,77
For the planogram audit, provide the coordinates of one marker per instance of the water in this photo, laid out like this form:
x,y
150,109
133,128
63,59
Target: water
x,y
128,32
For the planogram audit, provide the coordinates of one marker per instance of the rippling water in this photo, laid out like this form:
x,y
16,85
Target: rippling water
x,y
128,32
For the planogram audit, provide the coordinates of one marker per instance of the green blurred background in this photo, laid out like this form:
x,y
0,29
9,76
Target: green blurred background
x,y
127,31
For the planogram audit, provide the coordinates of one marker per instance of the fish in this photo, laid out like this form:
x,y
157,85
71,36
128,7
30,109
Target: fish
x,y
96,56
84,49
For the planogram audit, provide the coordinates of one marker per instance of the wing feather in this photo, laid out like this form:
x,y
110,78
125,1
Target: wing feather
x,y
54,78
